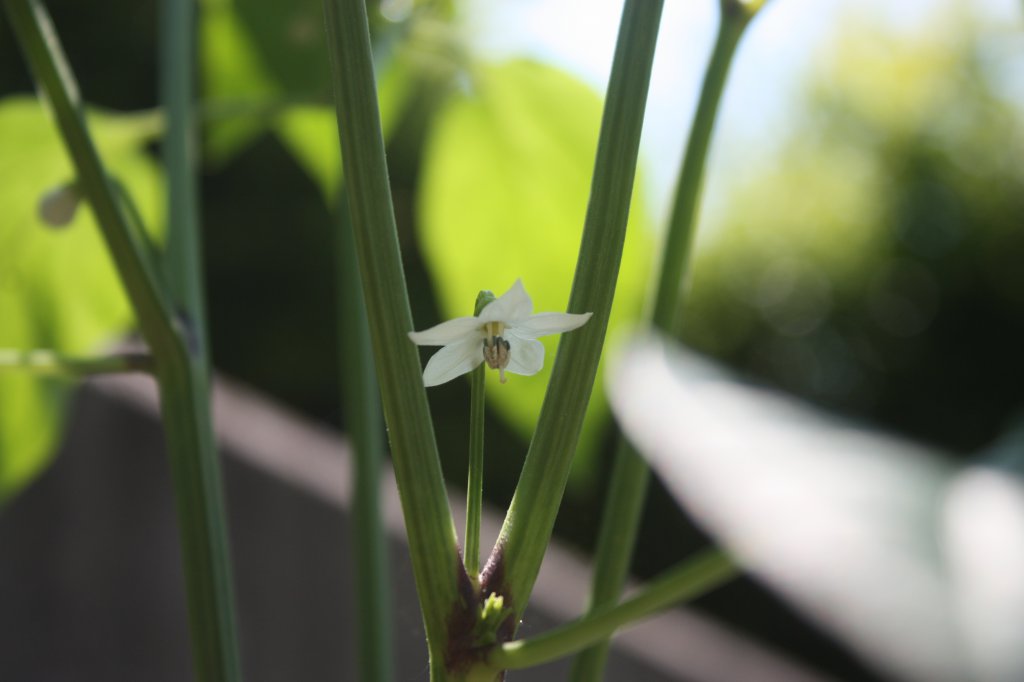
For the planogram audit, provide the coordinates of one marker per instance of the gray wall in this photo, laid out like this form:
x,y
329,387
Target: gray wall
x,y
91,585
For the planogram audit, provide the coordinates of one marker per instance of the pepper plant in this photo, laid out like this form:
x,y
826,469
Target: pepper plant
x,y
470,611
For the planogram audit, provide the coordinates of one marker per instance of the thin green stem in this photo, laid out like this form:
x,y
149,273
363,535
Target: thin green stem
x,y
183,253
135,222
620,523
475,484
513,566
445,593
687,581
361,403
181,375
630,476
44,362
186,394
735,17
34,30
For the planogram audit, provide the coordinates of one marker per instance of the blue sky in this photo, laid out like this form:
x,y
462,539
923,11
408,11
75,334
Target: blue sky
x,y
777,52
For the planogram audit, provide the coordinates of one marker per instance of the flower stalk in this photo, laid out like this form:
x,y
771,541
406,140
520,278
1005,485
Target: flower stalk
x,y
475,483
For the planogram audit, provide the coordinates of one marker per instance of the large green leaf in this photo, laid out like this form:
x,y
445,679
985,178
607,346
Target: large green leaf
x,y
58,288
506,179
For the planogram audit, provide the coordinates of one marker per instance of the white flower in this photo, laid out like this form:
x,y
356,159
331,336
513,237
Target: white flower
x,y
504,335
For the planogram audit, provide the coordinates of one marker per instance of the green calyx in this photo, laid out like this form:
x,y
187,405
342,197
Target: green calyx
x,y
482,299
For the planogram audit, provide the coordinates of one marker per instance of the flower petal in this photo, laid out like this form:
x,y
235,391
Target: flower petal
x,y
543,324
511,306
526,356
452,360
459,329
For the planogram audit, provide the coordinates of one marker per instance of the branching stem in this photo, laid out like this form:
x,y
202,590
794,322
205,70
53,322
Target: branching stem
x,y
44,362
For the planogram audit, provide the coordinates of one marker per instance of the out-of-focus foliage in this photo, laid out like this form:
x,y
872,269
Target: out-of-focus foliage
x,y
58,288
503,195
265,68
257,59
310,132
877,264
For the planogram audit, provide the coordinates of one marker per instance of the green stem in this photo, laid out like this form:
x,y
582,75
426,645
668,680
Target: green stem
x,y
135,222
735,17
513,566
444,589
183,254
620,523
181,375
687,581
206,556
361,402
630,475
39,42
475,484
51,363
186,392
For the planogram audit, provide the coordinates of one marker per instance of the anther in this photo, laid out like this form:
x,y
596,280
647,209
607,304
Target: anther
x,y
497,353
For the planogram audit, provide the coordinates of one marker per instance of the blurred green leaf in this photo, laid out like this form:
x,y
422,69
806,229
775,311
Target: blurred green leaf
x,y
310,132
234,79
58,288
506,179
257,58
265,68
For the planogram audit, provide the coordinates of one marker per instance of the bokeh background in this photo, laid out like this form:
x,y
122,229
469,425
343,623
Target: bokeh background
x,y
861,243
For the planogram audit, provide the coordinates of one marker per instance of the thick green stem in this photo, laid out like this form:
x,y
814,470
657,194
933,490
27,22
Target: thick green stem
x,y
445,593
44,362
689,580
181,374
630,475
475,483
513,566
185,404
361,403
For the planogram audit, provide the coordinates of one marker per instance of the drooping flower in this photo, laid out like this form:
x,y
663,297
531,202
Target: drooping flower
x,y
504,335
